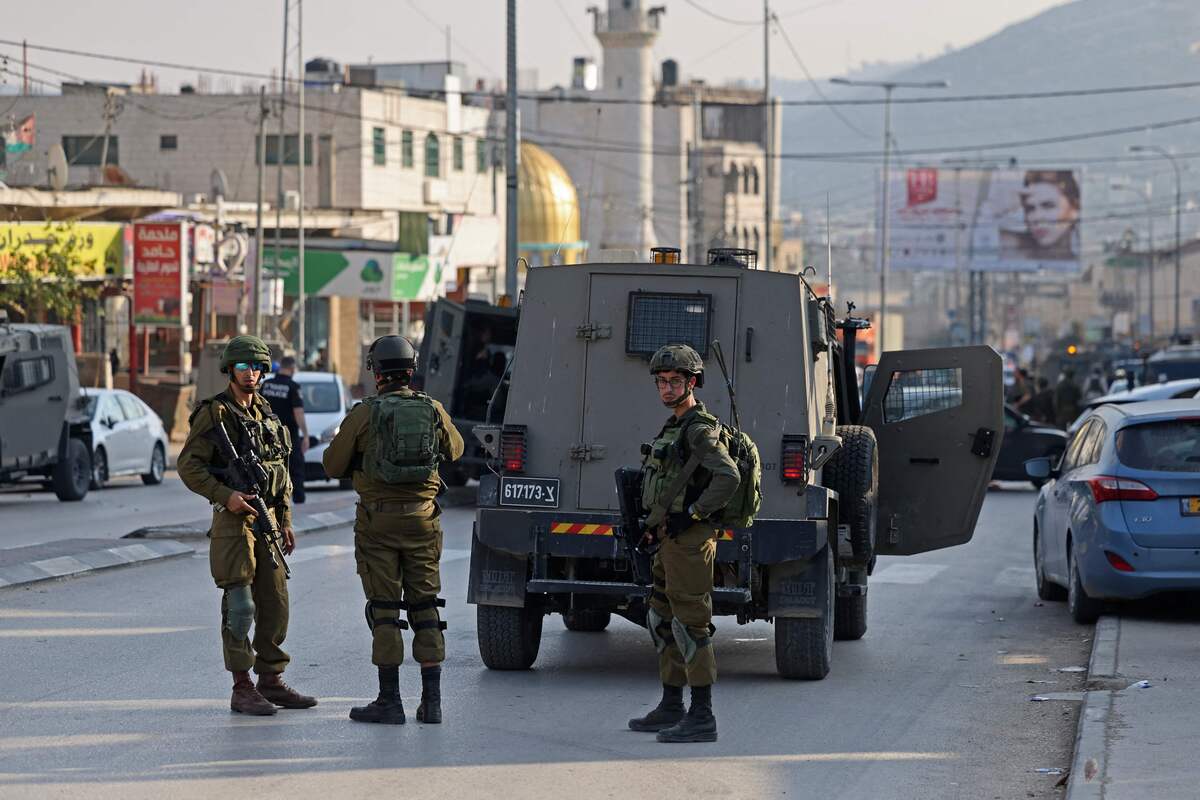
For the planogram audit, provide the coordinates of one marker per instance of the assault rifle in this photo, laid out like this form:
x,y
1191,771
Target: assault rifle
x,y
246,474
639,542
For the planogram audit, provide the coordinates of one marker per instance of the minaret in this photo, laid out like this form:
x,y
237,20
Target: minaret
x,y
626,32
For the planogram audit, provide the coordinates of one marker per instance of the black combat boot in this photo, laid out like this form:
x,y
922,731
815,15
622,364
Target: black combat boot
x,y
668,712
386,709
699,724
430,710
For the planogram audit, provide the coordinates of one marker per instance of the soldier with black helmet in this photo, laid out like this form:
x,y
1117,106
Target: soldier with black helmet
x,y
680,510
255,590
391,445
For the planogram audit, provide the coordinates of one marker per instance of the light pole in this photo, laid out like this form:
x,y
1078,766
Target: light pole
x,y
1147,195
1162,151
888,87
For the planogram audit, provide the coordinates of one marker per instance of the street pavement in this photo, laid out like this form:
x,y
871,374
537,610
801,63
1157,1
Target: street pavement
x,y
113,687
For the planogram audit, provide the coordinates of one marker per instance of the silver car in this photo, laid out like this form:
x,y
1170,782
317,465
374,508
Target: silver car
x,y
1119,516
128,438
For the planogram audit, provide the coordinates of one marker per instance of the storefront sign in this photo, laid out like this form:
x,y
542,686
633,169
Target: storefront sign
x,y
98,248
366,274
160,258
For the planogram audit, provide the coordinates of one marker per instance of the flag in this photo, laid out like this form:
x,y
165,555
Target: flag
x,y
24,135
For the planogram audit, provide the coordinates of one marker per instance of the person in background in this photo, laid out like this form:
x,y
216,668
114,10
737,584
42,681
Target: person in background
x,y
1066,399
283,393
1041,406
1095,385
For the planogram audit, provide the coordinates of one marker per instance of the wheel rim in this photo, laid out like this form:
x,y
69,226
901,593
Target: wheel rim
x,y
100,470
156,463
1038,575
80,472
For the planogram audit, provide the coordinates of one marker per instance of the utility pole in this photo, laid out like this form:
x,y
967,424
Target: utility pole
x,y
769,119
300,157
256,274
24,67
110,113
1162,151
511,142
697,179
279,149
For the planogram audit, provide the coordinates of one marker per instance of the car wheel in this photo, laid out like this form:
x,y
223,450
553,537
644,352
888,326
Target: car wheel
x,y
73,473
158,467
1084,609
1045,589
99,469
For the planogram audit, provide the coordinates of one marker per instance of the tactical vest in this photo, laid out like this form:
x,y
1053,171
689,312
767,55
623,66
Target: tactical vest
x,y
402,441
664,461
266,437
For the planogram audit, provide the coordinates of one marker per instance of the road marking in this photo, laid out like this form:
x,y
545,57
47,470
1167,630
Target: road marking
x,y
47,633
319,551
1017,577
908,573
63,565
70,740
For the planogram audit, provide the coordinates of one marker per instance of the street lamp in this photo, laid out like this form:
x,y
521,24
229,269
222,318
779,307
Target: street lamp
x,y
1162,151
1147,195
888,87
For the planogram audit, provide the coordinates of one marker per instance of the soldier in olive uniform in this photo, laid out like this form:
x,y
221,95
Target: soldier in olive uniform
x,y
680,508
391,444
255,591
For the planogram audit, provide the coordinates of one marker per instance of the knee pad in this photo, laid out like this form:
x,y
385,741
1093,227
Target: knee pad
x,y
239,611
388,605
655,623
427,604
688,644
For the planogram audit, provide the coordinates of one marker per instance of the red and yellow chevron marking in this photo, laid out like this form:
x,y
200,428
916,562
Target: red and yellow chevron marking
x,y
726,535
583,529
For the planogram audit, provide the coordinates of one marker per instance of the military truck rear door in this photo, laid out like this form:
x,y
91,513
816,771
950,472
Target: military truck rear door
x,y
34,392
629,317
441,352
938,416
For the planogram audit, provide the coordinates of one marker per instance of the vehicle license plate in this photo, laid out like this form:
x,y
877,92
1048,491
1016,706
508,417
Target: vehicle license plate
x,y
1189,506
529,492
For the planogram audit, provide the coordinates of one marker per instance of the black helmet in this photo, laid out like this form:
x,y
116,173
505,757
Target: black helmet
x,y
389,354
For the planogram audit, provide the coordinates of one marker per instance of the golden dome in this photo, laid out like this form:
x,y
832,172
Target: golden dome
x,y
548,209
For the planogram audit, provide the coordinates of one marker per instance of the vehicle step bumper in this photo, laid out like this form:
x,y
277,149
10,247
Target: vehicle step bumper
x,y
720,594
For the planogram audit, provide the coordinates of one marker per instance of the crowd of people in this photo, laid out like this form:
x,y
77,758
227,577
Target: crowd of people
x,y
1060,404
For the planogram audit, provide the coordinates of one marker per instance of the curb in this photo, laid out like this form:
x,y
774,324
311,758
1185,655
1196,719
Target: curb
x,y
1089,767
305,523
93,559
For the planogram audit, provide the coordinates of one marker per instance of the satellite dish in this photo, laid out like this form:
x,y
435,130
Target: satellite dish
x,y
218,184
56,167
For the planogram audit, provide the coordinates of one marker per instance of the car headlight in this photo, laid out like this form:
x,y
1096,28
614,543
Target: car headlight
x,y
329,433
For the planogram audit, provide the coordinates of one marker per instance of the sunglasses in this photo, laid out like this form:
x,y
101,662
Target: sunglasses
x,y
243,366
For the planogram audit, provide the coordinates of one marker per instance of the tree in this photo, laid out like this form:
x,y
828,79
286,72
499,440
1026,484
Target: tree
x,y
40,279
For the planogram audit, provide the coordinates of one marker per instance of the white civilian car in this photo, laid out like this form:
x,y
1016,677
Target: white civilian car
x,y
326,404
128,438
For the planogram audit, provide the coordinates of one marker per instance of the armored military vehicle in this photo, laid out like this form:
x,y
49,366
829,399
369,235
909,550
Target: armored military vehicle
x,y
44,431
462,364
904,474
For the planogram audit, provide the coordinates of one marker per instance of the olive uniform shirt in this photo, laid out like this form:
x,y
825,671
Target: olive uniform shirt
x,y
716,465
199,453
343,456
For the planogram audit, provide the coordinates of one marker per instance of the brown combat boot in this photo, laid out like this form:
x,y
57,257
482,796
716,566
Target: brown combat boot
x,y
272,687
246,699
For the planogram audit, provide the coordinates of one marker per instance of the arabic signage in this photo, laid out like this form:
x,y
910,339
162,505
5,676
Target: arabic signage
x,y
366,274
98,247
160,259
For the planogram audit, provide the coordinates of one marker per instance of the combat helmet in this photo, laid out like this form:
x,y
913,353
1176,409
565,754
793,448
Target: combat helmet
x,y
678,357
390,354
249,349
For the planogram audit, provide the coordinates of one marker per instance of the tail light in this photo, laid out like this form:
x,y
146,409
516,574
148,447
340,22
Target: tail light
x,y
1118,563
1106,487
793,462
512,448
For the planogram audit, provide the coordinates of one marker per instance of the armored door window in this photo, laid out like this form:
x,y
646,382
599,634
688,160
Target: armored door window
x,y
28,373
915,393
656,319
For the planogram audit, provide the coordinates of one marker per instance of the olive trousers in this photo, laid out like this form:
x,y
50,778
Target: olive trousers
x,y
398,547
236,558
683,582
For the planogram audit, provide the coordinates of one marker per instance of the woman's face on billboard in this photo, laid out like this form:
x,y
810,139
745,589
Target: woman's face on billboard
x,y
1049,214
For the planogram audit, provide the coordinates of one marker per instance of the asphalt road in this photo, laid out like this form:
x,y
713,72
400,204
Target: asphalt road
x,y
112,686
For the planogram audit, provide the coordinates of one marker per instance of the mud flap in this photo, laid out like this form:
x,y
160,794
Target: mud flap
x,y
497,578
797,588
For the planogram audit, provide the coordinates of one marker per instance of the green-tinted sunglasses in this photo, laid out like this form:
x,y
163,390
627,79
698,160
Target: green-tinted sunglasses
x,y
242,366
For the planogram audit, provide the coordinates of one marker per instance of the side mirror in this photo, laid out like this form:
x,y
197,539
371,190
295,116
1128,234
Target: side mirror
x,y
109,422
1039,468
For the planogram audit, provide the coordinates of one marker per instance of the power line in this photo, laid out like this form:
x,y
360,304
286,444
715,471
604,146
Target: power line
x,y
812,81
719,18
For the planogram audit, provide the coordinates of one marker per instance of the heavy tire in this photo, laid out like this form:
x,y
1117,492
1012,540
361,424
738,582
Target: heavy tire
x,y
853,473
1084,609
586,620
509,638
804,647
99,470
850,618
1045,589
158,467
73,473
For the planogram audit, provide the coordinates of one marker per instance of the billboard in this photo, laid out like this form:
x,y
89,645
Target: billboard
x,y
160,273
98,247
1009,220
366,274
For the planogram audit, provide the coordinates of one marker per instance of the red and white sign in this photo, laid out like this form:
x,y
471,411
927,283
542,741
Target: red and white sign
x,y
160,260
922,186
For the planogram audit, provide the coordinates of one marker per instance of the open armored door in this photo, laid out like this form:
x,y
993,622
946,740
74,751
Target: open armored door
x,y
441,354
938,416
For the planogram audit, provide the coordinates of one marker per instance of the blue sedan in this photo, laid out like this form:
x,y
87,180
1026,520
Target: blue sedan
x,y
1119,515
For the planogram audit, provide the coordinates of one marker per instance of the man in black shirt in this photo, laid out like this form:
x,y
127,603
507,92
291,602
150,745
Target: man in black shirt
x,y
283,393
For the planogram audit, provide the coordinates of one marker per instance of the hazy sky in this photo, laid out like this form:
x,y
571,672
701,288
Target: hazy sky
x,y
830,35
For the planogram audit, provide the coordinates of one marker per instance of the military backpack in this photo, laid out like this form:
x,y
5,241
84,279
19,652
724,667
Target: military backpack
x,y
403,443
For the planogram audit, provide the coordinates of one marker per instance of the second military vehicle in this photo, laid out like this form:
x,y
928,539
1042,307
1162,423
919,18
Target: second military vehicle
x,y
905,474
44,428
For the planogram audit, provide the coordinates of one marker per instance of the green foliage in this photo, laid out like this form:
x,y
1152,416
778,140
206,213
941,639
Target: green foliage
x,y
40,282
